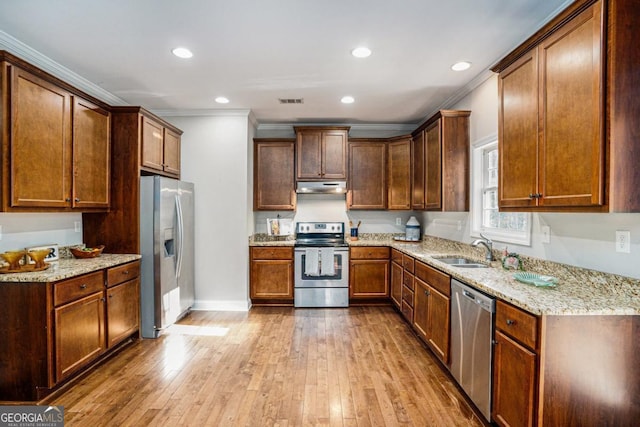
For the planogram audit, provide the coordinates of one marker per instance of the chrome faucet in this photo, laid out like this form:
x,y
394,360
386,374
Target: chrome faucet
x,y
487,243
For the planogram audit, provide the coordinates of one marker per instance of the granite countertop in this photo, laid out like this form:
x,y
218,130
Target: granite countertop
x,y
579,291
70,267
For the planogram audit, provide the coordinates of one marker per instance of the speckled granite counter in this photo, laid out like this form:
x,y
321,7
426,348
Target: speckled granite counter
x,y
69,267
579,291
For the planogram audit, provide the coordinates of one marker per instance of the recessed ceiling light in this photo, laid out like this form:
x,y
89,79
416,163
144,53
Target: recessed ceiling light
x,y
361,52
182,52
461,66
347,100
222,100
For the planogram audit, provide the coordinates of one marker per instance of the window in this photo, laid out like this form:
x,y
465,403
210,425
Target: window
x,y
509,227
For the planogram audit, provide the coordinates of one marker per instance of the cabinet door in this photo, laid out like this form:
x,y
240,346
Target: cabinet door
x,y
433,166
273,175
309,155
40,143
572,149
399,175
152,144
439,324
367,175
171,152
91,155
334,154
514,374
396,284
79,334
421,309
123,307
418,171
369,278
272,279
518,132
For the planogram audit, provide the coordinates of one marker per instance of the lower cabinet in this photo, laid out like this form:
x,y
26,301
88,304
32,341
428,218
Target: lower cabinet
x,y
431,309
396,284
271,275
368,272
514,366
123,311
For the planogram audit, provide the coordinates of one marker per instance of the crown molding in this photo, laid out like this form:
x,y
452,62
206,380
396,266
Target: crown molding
x,y
27,53
204,112
364,127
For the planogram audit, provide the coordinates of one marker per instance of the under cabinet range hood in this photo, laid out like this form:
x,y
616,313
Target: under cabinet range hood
x,y
321,187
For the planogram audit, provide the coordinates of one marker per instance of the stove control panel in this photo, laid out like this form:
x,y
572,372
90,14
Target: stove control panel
x,y
319,227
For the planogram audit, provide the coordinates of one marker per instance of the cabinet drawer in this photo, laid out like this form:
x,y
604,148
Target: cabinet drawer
x,y
408,263
517,323
396,256
407,311
271,253
435,278
407,280
72,289
122,273
369,252
407,296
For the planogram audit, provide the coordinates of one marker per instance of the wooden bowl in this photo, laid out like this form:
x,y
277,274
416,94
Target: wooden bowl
x,y
87,252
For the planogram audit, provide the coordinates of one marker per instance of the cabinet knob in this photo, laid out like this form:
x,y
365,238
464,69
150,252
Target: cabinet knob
x,y
83,286
68,199
110,296
427,293
77,199
125,272
511,322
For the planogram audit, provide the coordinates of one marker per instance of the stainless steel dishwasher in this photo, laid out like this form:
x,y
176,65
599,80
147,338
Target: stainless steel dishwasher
x,y
472,321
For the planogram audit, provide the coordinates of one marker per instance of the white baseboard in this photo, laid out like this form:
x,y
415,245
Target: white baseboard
x,y
210,305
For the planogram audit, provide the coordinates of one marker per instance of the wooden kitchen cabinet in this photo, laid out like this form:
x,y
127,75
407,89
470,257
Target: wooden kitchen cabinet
x,y
431,309
119,228
368,273
160,148
123,302
367,185
566,128
56,143
441,162
399,179
321,152
514,367
396,278
408,287
271,275
274,185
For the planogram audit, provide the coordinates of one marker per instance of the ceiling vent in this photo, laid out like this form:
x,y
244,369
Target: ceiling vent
x,y
291,100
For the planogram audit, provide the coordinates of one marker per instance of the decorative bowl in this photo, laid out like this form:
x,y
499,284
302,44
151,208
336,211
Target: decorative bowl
x,y
87,252
539,280
38,256
13,258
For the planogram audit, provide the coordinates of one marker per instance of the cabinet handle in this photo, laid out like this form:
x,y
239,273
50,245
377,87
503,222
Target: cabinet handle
x,y
125,272
110,296
83,286
535,195
511,322
102,299
77,199
68,199
427,293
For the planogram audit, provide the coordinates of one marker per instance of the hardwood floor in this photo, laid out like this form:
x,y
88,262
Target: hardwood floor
x,y
273,366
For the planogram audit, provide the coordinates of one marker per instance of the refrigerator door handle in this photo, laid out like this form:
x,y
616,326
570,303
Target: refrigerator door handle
x,y
180,236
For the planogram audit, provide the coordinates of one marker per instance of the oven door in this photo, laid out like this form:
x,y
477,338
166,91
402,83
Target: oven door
x,y
318,279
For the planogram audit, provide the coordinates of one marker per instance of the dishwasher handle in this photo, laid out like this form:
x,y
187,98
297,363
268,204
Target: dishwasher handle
x,y
468,295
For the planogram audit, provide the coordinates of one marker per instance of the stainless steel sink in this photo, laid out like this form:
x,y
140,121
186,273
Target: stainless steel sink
x,y
461,262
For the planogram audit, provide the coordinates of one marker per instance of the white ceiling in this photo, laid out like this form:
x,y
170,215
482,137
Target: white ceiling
x,y
254,52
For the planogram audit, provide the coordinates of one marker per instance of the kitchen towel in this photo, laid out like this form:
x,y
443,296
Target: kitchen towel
x,y
326,262
311,262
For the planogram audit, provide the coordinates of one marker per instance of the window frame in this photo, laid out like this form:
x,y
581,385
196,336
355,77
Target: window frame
x,y
477,187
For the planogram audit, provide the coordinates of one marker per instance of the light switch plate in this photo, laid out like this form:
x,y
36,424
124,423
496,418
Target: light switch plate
x,y
545,234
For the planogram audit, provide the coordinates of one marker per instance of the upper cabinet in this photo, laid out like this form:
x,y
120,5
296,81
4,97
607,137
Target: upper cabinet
x,y
321,152
440,162
367,174
399,178
56,146
273,174
160,148
568,128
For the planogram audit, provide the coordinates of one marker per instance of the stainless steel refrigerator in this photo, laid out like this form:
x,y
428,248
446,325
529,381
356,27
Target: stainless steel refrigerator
x,y
167,249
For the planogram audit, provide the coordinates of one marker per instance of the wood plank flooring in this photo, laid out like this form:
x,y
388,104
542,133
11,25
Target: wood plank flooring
x,y
273,366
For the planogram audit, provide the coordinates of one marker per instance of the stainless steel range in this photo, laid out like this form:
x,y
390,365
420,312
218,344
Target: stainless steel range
x,y
321,265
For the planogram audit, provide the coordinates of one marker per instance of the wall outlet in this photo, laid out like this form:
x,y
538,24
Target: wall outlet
x,y
623,241
545,234
398,221
77,226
